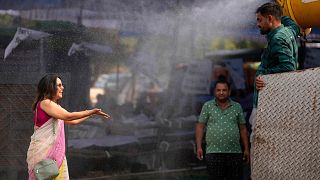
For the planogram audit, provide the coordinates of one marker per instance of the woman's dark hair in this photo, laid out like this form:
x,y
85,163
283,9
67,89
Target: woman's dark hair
x,y
270,9
47,88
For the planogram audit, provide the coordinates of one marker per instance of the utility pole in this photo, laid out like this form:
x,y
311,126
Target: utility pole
x,y
79,20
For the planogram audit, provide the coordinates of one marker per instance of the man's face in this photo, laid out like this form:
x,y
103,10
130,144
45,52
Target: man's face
x,y
263,23
222,92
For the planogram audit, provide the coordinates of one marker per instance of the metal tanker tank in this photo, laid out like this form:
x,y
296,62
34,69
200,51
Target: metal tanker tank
x,y
305,12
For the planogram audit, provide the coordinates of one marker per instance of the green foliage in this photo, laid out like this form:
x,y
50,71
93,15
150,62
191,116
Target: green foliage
x,y
6,20
232,44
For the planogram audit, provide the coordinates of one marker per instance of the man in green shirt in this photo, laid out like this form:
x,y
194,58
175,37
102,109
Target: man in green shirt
x,y
225,126
281,53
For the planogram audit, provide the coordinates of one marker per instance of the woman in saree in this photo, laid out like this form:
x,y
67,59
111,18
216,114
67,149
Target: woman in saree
x,y
48,139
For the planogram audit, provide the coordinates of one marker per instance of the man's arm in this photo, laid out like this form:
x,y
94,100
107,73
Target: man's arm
x,y
199,136
288,22
245,142
282,54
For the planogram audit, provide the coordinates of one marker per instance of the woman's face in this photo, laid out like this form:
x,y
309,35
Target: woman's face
x,y
60,89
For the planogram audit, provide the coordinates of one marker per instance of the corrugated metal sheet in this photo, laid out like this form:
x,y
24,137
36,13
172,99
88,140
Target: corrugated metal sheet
x,y
287,136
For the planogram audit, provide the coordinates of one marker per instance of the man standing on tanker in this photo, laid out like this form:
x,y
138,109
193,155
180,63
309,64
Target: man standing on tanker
x,y
281,53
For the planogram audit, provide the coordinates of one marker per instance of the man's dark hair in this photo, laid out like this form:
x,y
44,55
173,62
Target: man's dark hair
x,y
270,9
221,81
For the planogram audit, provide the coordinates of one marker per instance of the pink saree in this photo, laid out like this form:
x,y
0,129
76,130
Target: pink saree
x,y
48,141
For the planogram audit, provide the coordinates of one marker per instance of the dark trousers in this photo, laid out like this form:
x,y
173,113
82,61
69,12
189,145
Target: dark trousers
x,y
224,166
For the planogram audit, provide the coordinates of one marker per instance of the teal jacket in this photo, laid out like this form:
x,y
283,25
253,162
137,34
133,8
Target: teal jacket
x,y
281,54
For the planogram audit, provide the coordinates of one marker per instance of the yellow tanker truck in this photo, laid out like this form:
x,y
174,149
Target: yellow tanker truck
x,y
305,12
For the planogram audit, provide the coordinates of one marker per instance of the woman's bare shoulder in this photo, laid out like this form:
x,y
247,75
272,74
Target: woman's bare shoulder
x,y
47,102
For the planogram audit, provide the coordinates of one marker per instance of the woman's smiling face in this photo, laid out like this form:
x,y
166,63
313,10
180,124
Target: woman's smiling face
x,y
60,88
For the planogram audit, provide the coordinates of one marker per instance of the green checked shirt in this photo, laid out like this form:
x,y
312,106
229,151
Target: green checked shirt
x,y
222,133
281,54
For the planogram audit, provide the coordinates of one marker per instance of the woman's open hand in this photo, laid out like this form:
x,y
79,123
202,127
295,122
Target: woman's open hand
x,y
100,113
